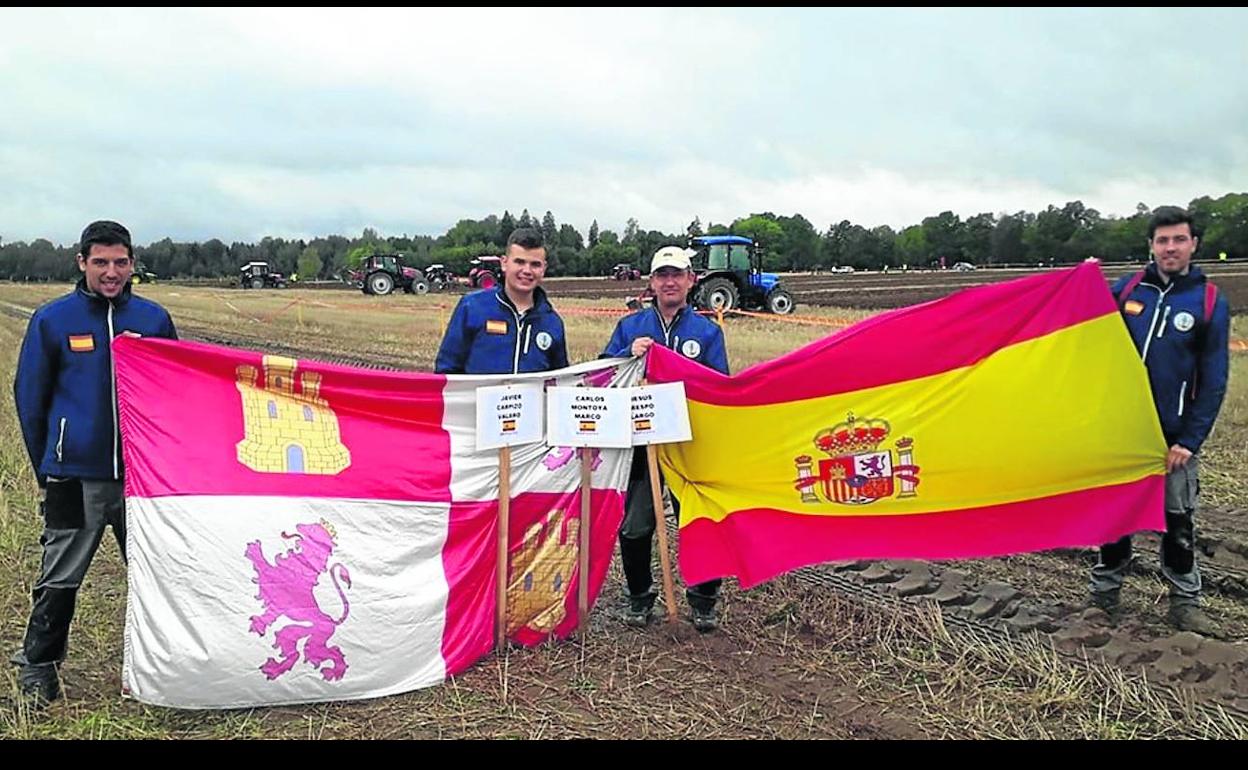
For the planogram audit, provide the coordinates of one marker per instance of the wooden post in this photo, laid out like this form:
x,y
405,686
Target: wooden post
x,y
504,520
582,589
660,529
660,524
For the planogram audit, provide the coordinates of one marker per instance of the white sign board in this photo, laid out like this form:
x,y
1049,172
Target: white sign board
x,y
508,415
660,414
595,417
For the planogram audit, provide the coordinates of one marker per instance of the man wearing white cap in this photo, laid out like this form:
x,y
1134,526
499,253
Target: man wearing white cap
x,y
670,322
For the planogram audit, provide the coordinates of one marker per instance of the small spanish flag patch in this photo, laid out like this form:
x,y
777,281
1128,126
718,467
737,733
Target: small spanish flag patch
x,y
495,327
1133,307
81,343
588,426
641,425
509,426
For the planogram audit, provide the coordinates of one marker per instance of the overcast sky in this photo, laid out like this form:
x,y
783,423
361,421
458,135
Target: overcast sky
x,y
296,123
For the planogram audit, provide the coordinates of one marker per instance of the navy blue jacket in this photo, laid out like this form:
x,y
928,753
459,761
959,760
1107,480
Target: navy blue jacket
x,y
487,335
65,387
693,336
1187,359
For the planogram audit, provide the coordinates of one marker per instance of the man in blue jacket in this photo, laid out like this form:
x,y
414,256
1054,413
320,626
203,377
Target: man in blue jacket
x,y
1180,326
509,329
670,322
66,398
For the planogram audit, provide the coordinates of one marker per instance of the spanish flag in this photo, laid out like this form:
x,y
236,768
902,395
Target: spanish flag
x,y
1001,419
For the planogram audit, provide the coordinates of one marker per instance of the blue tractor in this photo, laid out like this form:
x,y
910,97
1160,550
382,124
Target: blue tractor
x,y
730,275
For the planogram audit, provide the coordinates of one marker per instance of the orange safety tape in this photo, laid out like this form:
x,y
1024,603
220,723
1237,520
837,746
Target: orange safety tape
x,y
796,319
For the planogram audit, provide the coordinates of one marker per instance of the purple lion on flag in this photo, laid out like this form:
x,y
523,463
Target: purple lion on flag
x,y
286,588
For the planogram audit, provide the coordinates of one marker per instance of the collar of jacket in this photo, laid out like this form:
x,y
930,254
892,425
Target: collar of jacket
x,y
540,303
1194,276
99,299
680,313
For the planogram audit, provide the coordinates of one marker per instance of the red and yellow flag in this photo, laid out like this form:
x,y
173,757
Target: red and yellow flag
x,y
1001,419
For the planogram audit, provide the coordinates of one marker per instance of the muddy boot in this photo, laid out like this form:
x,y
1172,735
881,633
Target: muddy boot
x,y
704,617
1107,601
40,685
1188,616
640,609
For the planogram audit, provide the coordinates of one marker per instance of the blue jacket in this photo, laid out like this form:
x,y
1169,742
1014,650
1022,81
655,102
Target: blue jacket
x,y
487,335
689,334
65,388
1186,358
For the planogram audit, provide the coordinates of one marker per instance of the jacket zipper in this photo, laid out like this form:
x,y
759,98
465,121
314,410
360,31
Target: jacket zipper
x,y
1152,325
112,368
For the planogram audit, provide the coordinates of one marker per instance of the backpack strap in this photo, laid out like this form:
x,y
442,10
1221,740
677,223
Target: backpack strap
x,y
1130,287
1211,299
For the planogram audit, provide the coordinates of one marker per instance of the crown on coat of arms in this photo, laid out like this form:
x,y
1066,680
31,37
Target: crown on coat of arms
x,y
852,436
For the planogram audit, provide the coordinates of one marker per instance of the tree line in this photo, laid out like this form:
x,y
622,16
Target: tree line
x,y
1065,234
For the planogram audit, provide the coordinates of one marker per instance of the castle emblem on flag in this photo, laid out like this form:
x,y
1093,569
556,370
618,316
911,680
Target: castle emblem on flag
x,y
540,574
288,431
857,471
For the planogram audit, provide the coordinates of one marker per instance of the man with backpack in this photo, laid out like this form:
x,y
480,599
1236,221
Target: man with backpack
x,y
1181,327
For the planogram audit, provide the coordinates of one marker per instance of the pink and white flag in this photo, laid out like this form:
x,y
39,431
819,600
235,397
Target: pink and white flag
x,y
302,531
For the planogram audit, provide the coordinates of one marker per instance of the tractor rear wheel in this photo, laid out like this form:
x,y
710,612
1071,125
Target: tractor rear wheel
x,y
718,294
381,283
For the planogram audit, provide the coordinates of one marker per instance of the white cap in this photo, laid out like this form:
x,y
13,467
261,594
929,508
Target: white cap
x,y
671,256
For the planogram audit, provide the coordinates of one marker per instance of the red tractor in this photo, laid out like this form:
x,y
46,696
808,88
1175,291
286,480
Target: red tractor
x,y
625,272
486,272
382,273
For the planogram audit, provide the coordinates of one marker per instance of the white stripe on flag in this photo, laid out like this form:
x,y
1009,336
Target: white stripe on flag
x,y
198,565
